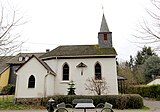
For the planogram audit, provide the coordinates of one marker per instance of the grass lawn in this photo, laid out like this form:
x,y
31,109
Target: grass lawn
x,y
6,103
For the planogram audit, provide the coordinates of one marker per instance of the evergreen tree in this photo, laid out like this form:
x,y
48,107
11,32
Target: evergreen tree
x,y
151,67
71,89
143,55
140,59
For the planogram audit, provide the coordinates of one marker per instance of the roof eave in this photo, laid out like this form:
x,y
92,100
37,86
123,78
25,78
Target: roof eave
x,y
51,72
4,69
80,56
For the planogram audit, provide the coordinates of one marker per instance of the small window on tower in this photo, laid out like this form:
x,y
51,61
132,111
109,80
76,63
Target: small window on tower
x,y
105,37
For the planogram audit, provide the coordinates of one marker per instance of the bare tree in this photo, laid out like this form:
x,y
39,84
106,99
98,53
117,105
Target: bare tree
x,y
9,21
149,28
96,86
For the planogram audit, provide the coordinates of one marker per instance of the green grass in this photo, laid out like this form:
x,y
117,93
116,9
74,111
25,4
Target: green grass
x,y
6,103
145,108
6,97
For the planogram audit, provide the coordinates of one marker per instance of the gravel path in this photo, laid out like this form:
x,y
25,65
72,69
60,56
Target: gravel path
x,y
153,105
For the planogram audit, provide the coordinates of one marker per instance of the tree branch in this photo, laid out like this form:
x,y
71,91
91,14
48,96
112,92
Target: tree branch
x,y
8,41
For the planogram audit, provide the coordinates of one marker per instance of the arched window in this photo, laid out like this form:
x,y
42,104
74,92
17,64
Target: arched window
x,y
98,72
31,82
65,72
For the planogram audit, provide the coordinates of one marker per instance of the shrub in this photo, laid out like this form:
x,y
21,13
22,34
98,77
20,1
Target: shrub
x,y
8,90
135,101
71,89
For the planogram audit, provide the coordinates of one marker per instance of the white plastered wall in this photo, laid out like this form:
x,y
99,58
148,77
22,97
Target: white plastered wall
x,y
35,68
108,66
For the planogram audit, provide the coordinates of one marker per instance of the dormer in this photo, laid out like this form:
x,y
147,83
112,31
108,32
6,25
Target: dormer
x,y
26,58
20,58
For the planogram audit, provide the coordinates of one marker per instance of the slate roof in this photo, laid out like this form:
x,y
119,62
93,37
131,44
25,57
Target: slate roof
x,y
104,26
16,61
3,64
79,51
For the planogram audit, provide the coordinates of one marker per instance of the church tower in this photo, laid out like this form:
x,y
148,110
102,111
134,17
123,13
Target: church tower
x,y
104,36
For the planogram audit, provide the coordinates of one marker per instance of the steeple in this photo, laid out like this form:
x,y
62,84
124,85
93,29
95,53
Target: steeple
x,y
104,36
104,26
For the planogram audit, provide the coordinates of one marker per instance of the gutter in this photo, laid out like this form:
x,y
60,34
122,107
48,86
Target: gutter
x,y
79,56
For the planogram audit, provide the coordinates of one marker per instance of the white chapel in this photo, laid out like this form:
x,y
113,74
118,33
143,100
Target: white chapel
x,y
50,73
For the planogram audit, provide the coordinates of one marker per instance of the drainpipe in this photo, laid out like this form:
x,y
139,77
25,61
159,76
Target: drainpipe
x,y
45,84
56,72
17,81
56,65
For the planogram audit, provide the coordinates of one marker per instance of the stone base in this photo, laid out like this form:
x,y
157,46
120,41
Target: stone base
x,y
35,101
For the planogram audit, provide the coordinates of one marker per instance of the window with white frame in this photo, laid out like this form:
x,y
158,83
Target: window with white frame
x,y
65,72
31,82
98,75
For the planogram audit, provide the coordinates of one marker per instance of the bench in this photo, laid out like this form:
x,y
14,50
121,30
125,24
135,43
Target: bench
x,y
75,101
107,107
61,107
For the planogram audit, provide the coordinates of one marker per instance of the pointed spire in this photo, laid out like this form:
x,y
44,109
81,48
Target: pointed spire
x,y
104,26
104,36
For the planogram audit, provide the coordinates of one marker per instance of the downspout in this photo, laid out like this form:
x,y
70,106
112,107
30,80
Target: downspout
x,y
17,81
56,72
45,85
56,65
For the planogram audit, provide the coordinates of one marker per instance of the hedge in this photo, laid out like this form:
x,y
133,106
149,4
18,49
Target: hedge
x,y
152,91
133,101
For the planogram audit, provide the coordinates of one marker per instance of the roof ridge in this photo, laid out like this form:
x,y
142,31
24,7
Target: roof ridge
x,y
80,50
80,45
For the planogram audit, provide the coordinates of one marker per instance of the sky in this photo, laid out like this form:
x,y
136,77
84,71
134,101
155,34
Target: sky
x,y
51,23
